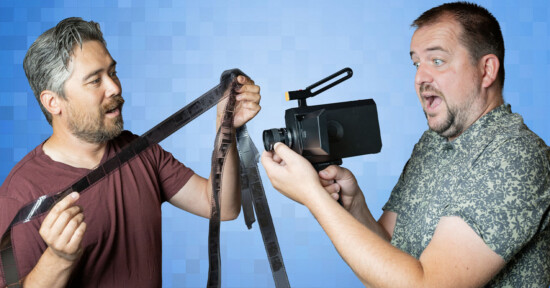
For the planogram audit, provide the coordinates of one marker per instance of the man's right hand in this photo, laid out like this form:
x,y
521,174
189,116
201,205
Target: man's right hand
x,y
64,227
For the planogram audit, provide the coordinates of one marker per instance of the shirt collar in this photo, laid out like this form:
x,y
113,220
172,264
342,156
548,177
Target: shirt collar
x,y
477,135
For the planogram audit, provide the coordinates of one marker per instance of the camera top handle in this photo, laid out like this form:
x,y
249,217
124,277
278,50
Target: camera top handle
x,y
301,95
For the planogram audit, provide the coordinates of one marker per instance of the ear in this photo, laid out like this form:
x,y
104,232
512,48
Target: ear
x,y
51,101
489,66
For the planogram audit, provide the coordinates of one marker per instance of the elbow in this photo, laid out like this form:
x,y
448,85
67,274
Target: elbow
x,y
231,215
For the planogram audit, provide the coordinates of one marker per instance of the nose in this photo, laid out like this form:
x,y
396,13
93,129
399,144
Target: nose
x,y
423,75
112,86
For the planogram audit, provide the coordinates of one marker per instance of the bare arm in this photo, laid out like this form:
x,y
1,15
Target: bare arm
x,y
455,257
195,195
63,230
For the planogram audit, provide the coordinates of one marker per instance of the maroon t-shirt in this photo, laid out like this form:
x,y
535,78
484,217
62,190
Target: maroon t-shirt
x,y
122,244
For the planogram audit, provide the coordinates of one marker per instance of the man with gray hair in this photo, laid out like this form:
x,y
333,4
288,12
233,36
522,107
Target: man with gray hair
x,y
471,206
110,236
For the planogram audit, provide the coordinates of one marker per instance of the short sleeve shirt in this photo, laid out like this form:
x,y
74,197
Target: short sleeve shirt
x,y
495,176
122,246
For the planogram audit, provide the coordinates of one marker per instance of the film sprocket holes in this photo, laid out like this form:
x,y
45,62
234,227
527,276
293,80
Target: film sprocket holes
x,y
324,134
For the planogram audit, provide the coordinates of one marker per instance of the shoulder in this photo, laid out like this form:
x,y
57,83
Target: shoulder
x,y
19,175
513,143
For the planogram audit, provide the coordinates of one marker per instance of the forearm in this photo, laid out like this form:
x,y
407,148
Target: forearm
x,y
50,271
230,198
373,259
360,211
231,192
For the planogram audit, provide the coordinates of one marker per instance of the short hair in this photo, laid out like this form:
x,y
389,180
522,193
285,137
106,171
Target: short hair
x,y
47,61
481,34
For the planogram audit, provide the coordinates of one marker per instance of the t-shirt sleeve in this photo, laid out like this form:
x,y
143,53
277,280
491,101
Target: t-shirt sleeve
x,y
399,196
173,174
8,209
508,196
26,241
395,203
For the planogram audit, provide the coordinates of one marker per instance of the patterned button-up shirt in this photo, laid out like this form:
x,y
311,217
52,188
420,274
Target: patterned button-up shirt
x,y
496,177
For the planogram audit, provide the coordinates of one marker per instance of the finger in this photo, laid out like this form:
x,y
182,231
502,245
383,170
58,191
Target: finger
x,y
251,88
335,172
335,196
76,239
244,80
267,159
326,182
56,229
60,207
333,188
69,230
271,167
248,97
252,106
288,155
277,159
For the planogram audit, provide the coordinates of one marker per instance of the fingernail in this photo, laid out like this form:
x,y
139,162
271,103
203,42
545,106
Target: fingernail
x,y
74,195
324,173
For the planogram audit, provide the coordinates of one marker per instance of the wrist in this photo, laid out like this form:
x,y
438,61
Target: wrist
x,y
315,200
358,205
60,261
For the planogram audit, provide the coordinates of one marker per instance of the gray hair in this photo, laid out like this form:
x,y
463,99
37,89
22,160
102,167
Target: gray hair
x,y
46,63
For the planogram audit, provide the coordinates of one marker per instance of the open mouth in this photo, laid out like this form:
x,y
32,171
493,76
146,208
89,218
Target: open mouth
x,y
113,110
432,101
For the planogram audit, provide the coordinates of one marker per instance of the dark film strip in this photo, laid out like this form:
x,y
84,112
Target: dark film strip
x,y
224,139
249,171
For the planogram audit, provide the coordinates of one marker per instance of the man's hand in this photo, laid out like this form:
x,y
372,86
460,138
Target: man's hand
x,y
340,183
248,102
291,174
63,229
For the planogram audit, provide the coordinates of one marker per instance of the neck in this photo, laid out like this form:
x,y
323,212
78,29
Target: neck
x,y
493,99
66,148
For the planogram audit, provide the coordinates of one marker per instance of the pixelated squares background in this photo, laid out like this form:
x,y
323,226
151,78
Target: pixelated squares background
x,y
169,52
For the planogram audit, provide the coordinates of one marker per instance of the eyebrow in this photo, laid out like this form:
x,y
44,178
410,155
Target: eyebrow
x,y
88,76
435,48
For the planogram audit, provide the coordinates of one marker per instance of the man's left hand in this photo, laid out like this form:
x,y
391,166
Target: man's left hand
x,y
248,102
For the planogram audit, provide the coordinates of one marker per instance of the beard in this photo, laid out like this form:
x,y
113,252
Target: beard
x,y
90,126
458,116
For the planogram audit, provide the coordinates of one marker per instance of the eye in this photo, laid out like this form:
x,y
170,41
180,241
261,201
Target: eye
x,y
96,81
416,64
437,62
113,74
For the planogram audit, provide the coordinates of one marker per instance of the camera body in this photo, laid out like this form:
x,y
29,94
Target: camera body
x,y
324,134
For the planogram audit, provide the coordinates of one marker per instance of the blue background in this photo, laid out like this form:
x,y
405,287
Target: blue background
x,y
170,52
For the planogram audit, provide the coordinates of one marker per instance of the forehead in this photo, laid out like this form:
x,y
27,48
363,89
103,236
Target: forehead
x,y
442,34
93,55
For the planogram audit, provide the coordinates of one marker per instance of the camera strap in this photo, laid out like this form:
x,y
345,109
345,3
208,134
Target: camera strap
x,y
158,133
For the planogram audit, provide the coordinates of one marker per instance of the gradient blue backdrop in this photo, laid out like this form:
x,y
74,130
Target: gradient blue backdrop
x,y
170,52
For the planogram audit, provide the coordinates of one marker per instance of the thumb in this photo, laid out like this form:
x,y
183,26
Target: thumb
x,y
334,172
284,152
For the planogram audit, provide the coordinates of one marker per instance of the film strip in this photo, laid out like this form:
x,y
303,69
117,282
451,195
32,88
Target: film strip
x,y
153,136
251,176
224,139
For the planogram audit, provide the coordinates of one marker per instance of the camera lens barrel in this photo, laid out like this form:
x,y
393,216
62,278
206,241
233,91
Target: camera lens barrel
x,y
273,136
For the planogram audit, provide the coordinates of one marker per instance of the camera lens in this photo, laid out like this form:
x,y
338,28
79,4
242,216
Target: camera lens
x,y
273,136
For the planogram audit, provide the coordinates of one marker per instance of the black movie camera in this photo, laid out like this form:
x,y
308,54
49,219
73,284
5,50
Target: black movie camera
x,y
324,134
